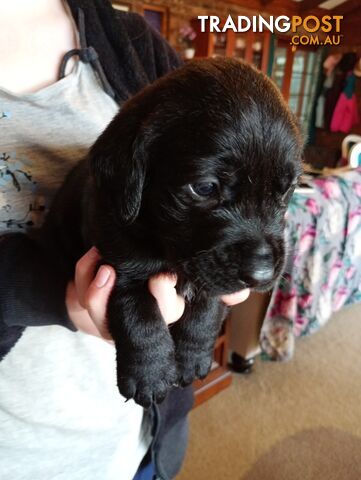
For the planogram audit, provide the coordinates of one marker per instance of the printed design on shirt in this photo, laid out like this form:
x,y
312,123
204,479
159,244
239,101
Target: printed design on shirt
x,y
12,170
15,175
4,115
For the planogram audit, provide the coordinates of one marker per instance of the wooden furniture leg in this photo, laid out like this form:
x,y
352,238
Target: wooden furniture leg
x,y
246,321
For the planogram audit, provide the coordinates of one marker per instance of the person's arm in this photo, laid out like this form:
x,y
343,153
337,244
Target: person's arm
x,y
155,53
32,290
35,292
136,55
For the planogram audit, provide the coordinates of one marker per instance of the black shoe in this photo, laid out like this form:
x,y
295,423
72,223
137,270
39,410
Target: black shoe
x,y
241,365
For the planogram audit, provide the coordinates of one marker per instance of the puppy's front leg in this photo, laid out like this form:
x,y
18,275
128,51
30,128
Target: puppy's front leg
x,y
194,336
146,366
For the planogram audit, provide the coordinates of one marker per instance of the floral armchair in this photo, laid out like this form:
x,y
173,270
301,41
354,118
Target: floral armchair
x,y
323,271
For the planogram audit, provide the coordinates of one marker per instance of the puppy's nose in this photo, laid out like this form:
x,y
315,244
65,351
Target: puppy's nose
x,y
262,265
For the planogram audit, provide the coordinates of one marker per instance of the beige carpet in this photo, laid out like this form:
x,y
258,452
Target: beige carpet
x,y
294,421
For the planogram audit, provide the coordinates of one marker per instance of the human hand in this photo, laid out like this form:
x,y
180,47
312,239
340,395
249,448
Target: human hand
x,y
171,305
87,296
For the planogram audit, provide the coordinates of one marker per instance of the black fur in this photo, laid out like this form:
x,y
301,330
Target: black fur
x,y
214,122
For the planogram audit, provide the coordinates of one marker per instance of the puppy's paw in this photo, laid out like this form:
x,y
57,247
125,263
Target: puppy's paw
x,y
191,367
146,383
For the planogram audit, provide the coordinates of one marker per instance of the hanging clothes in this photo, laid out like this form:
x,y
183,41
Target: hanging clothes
x,y
346,113
332,95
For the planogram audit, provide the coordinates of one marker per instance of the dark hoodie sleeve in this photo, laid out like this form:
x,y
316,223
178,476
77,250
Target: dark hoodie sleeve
x,y
132,54
154,52
32,290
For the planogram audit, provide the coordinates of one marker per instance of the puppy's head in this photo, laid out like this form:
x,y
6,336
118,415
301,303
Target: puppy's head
x,y
203,162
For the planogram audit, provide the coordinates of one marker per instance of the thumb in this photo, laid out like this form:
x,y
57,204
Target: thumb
x,y
171,305
96,298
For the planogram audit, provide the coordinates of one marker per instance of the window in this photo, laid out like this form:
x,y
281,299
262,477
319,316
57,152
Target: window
x,y
296,73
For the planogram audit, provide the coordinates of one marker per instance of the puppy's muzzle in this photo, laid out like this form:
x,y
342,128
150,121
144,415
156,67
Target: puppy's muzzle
x,y
259,268
230,268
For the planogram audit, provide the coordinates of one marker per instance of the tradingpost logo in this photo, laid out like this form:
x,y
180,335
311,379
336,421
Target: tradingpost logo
x,y
310,30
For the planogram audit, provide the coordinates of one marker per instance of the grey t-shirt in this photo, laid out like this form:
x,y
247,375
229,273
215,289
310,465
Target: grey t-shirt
x,y
43,135
61,415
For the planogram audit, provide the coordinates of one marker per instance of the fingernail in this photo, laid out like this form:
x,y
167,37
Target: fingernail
x,y
102,277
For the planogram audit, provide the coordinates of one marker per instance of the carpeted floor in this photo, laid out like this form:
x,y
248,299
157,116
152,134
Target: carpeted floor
x,y
294,421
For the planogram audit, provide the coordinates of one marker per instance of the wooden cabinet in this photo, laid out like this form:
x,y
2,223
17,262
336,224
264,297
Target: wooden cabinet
x,y
250,46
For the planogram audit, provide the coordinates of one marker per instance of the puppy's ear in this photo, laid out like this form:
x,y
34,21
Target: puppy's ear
x,y
118,165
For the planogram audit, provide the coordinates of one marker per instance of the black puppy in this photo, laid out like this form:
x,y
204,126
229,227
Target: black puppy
x,y
191,177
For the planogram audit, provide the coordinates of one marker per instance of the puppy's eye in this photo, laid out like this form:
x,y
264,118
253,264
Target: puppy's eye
x,y
203,189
